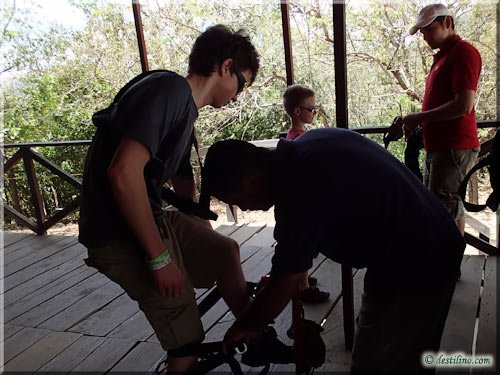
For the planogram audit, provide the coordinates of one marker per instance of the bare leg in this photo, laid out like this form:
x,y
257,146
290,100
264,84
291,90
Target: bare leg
x,y
232,284
180,365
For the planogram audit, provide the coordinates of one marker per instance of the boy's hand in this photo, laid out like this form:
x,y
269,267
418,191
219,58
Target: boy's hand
x,y
169,280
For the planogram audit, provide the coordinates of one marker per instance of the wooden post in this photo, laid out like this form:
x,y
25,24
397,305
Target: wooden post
x,y
287,42
34,190
339,55
348,306
136,7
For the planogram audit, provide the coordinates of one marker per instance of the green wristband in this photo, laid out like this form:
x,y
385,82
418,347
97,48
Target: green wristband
x,y
159,259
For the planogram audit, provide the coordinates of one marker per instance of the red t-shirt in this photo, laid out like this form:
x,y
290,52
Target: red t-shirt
x,y
456,67
294,133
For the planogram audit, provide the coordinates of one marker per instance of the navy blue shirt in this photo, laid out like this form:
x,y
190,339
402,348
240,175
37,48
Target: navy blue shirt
x,y
343,195
157,110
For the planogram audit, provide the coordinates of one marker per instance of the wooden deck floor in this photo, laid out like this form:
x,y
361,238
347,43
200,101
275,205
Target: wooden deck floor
x,y
60,315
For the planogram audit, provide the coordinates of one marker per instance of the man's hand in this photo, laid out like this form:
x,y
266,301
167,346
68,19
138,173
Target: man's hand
x,y
169,280
410,122
234,335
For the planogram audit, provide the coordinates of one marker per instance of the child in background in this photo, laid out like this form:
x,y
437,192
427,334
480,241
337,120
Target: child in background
x,y
300,105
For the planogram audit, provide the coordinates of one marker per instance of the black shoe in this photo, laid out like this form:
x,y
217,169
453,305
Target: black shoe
x,y
313,295
312,281
290,332
267,349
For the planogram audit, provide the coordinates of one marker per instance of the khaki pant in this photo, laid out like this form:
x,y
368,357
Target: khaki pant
x,y
444,171
198,251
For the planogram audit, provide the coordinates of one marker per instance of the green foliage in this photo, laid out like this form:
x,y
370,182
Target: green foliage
x,y
54,79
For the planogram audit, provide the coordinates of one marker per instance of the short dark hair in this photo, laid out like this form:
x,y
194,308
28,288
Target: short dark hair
x,y
440,19
294,95
219,43
227,163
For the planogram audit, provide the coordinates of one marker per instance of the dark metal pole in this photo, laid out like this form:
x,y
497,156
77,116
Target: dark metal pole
x,y
339,55
136,6
287,41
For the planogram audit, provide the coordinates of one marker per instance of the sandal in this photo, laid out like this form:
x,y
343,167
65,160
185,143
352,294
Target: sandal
x,y
313,295
312,281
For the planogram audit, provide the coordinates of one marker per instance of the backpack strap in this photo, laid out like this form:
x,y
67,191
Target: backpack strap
x,y
102,117
463,186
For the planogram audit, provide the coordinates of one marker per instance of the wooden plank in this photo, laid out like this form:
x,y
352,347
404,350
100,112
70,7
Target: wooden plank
x,y
76,353
479,226
32,258
108,318
338,360
31,255
226,230
54,275
41,352
10,238
33,242
42,266
459,329
487,335
137,328
87,304
328,274
60,302
265,237
22,340
105,356
141,358
245,232
47,292
9,330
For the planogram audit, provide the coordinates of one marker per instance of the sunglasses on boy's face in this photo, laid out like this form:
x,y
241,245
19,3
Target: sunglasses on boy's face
x,y
311,109
242,82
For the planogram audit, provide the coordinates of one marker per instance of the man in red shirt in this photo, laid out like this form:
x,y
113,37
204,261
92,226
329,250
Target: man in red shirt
x,y
447,117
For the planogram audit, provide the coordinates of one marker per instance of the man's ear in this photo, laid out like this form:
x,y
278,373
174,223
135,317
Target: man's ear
x,y
296,111
447,21
226,66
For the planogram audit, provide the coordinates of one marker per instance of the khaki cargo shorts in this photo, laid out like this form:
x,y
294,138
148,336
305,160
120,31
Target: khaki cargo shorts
x,y
444,171
198,251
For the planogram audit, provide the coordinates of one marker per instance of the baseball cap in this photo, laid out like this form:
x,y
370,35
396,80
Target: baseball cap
x,y
429,14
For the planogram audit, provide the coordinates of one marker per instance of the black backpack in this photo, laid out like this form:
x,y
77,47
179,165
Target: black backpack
x,y
492,161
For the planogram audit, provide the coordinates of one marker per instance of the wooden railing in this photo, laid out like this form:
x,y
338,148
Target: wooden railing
x,y
28,156
41,223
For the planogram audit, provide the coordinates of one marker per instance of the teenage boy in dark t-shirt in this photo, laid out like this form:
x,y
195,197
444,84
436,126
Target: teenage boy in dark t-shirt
x,y
144,139
361,207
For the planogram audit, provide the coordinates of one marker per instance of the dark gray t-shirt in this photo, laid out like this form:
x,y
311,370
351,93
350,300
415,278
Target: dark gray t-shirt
x,y
343,195
157,110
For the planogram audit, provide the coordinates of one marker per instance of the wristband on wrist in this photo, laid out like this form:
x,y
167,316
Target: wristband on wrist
x,y
160,261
